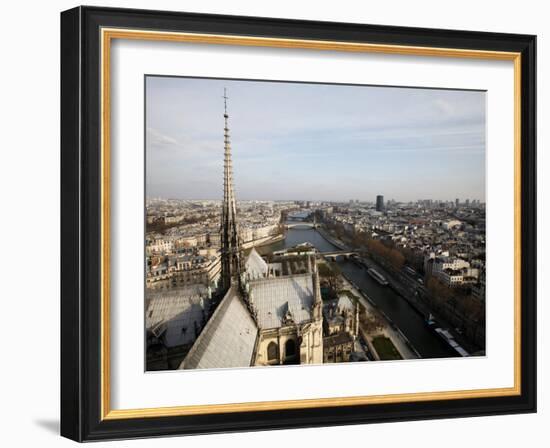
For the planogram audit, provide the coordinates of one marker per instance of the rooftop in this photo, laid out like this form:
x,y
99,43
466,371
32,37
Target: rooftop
x,y
256,267
273,297
176,312
228,338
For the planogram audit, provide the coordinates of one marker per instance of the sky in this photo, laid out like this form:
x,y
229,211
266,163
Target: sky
x,y
298,141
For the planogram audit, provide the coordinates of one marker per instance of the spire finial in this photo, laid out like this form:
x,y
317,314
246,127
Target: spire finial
x,y
225,98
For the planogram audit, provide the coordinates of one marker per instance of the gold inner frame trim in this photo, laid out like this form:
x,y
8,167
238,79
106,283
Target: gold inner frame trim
x,y
107,35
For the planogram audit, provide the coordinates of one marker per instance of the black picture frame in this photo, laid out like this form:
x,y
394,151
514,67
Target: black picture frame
x,y
81,224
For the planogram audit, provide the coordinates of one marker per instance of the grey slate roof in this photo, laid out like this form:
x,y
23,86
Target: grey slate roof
x,y
227,340
344,304
256,267
272,298
177,311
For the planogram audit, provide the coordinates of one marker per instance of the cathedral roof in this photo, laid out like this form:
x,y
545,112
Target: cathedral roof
x,y
256,267
175,313
345,303
274,297
227,340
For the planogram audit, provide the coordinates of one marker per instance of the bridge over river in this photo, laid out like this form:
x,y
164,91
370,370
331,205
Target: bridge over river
x,y
301,225
333,255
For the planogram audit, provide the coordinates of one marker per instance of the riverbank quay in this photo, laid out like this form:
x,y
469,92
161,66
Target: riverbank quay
x,y
332,240
266,241
390,330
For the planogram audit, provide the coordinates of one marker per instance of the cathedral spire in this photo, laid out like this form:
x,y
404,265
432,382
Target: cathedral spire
x,y
230,244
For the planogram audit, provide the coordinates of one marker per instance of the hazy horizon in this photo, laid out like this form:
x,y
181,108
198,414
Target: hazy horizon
x,y
316,142
363,201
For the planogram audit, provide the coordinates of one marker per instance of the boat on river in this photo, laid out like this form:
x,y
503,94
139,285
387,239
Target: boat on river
x,y
446,336
377,276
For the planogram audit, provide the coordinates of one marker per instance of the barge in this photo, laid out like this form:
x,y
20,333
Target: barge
x,y
377,276
446,336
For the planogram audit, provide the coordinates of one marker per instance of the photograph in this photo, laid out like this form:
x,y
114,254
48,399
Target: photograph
x,y
291,223
275,223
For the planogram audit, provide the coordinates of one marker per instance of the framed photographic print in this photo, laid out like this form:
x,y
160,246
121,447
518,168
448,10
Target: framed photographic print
x,y
273,223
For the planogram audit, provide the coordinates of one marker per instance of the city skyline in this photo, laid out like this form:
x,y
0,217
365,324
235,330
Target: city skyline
x,y
314,142
361,201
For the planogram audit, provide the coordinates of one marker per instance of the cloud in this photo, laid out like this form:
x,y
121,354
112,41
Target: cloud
x,y
295,137
158,139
